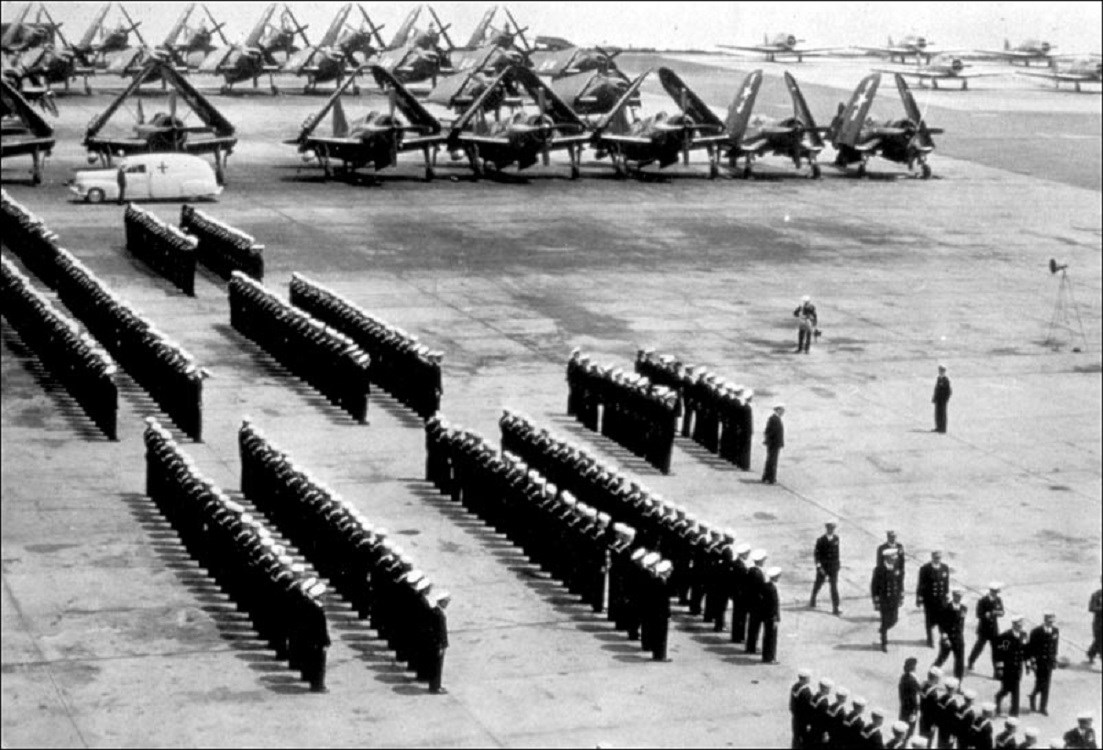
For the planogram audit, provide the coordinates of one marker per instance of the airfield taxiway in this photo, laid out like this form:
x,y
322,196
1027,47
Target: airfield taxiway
x,y
110,637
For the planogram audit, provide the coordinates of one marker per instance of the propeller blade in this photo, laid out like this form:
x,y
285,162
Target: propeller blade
x,y
518,31
392,101
141,113
217,26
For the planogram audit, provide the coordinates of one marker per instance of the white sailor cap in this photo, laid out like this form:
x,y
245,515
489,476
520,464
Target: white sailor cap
x,y
970,694
651,558
773,572
988,708
758,555
841,692
1011,722
664,568
1085,716
742,549
827,682
899,727
995,586
804,673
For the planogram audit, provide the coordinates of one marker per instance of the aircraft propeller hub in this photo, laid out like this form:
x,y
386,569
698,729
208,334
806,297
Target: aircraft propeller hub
x,y
921,42
791,40
957,65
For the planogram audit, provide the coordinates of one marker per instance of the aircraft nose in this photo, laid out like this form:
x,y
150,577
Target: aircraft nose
x,y
791,40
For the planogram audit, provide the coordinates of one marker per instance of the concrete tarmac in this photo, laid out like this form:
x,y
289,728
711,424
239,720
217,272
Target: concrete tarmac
x,y
112,637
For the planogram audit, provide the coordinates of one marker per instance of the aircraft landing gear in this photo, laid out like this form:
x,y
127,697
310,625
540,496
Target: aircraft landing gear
x,y
862,169
925,171
477,166
816,172
429,159
748,170
36,168
714,164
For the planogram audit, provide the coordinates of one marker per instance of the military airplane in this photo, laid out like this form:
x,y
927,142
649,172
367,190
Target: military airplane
x,y
941,67
910,46
256,56
1027,52
325,61
856,139
59,61
413,55
780,45
23,131
132,60
165,131
19,33
1077,72
588,80
659,138
458,90
378,137
492,50
797,137
520,139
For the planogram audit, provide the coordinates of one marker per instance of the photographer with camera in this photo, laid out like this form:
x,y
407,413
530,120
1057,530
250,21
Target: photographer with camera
x,y
807,324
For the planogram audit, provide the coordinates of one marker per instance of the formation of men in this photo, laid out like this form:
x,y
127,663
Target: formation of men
x,y
565,536
164,369
222,248
400,365
241,555
360,562
161,366
710,571
624,407
165,248
27,235
716,413
73,357
323,357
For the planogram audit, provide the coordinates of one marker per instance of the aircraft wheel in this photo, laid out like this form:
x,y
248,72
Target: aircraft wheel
x,y
429,174
925,172
861,170
575,172
95,195
816,172
747,172
36,176
223,89
355,90
714,171
275,90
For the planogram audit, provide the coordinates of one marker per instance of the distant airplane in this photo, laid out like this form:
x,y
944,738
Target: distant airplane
x,y
521,139
59,61
24,131
1027,52
659,138
130,61
1077,71
780,45
256,56
19,34
856,139
941,68
797,137
909,46
325,61
414,56
378,137
165,131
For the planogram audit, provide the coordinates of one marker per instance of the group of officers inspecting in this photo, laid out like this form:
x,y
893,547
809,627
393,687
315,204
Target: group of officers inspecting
x,y
714,412
568,538
364,566
624,407
400,365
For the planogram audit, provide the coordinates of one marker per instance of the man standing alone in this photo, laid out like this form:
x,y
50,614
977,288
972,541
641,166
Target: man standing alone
x,y
774,442
941,397
827,566
807,320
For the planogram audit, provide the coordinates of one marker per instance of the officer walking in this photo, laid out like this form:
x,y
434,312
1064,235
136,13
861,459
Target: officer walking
x,y
989,612
1042,650
826,555
774,442
931,592
1010,654
941,397
891,543
1095,606
887,595
807,320
952,624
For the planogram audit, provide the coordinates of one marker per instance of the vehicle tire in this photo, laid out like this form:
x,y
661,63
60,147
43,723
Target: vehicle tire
x,y
95,195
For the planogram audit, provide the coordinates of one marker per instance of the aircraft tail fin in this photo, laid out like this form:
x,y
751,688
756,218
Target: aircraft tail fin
x,y
739,113
849,122
922,136
801,111
340,122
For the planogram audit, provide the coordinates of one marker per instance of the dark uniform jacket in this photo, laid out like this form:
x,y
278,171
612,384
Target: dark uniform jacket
x,y
827,553
1011,652
908,690
439,629
934,585
1042,648
885,588
1074,738
989,612
942,390
952,620
775,432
